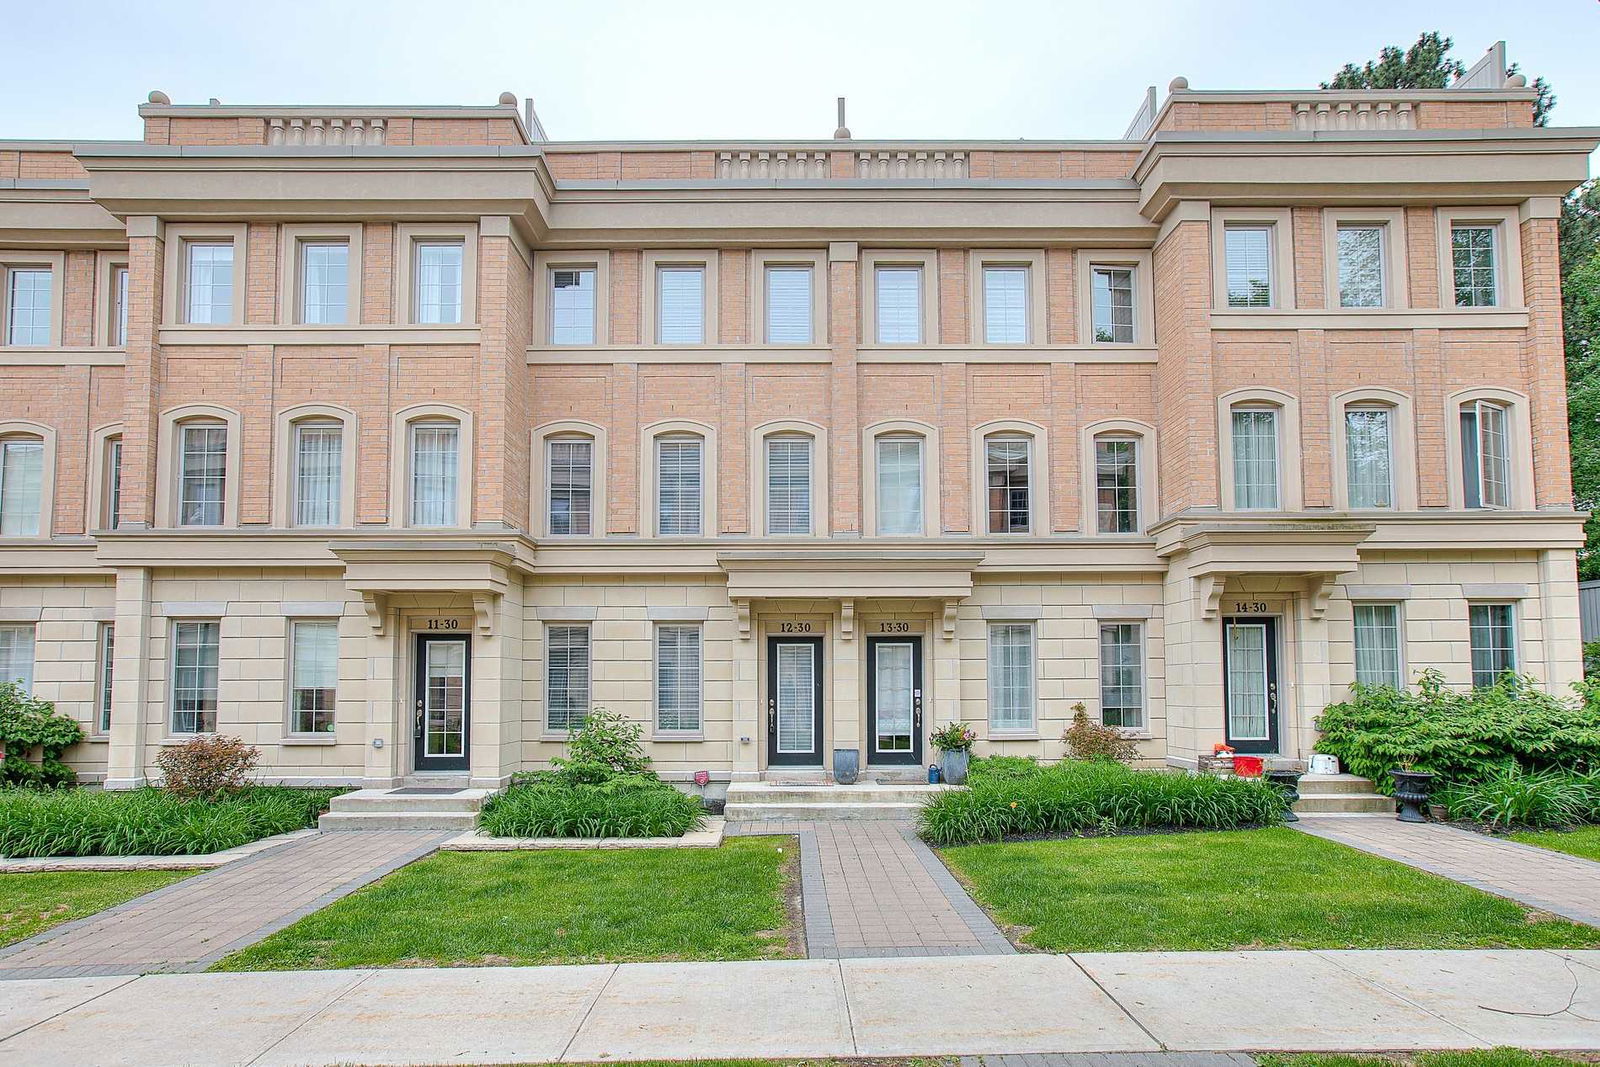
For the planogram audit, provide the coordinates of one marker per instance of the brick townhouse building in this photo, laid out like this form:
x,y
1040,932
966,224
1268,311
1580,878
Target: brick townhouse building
x,y
392,439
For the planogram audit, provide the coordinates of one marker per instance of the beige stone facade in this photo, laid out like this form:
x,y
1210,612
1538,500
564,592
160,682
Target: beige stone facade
x,y
334,421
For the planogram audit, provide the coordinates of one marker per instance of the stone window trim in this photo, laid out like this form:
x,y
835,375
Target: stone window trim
x,y
819,473
1399,605
106,266
925,260
705,259
1518,431
1146,467
1029,732
283,473
931,481
1039,475
1279,220
407,237
1396,279
1515,609
292,239
710,474
543,434
1508,256
168,661
1290,490
400,462
1138,260
168,452
97,495
656,731
1402,444
817,261
290,734
597,260
12,259
1031,260
174,289
22,429
1130,617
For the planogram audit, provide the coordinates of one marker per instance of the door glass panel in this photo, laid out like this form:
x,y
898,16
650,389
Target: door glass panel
x,y
1247,682
797,696
893,697
446,698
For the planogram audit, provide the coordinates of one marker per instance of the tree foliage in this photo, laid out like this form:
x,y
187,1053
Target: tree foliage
x,y
1425,65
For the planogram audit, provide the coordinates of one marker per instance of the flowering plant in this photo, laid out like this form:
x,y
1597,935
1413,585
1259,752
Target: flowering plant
x,y
957,737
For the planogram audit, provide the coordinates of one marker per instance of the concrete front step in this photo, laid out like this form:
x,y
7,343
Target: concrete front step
x,y
370,800
818,811
1319,784
755,801
1344,803
398,820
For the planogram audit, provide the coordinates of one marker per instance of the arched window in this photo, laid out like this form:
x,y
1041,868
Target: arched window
x,y
1118,477
679,459
902,490
105,479
430,480
1490,449
1011,486
1374,453
315,478
789,478
197,481
1260,450
22,483
569,461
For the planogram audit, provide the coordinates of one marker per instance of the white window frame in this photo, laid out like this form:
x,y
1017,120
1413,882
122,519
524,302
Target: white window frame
x,y
1399,639
650,490
819,473
12,260
175,267
986,518
539,492
104,482
14,279
104,675
1136,260
169,469
304,250
293,688
927,261
400,471
1144,435
18,434
413,500
1290,489
110,307
181,475
1137,444
1036,329
16,630
705,260
930,473
1277,454
810,442
296,474
1281,223
660,731
1396,265
1402,444
1515,647
550,728
705,475
285,502
1013,729
544,264
1508,257
408,237
173,630
547,457
551,292
1391,492
191,249
762,260
1266,231
1141,632
293,240
1519,448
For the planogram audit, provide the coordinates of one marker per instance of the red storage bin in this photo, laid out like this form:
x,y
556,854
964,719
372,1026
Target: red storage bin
x,y
1247,766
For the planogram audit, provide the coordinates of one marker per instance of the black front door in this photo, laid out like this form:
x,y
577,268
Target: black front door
x,y
794,701
894,700
443,702
1250,682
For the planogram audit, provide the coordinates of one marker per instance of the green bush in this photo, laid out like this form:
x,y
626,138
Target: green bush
x,y
1462,736
28,726
1518,798
604,746
149,822
632,806
1007,799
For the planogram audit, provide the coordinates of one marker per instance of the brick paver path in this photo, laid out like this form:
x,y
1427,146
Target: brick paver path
x,y
871,888
191,924
1551,881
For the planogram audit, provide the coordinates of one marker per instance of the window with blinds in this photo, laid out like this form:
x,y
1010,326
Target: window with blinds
x,y
1492,629
1255,458
572,306
899,488
680,305
789,311
21,486
1485,455
203,474
566,689
1111,297
1377,645
1009,504
315,672
1248,252
208,283
195,647
678,678
1116,484
318,471
16,654
28,298
1473,266
571,491
1010,676
788,484
1368,448
435,469
1005,305
680,498
899,305
1360,266
438,274
324,282
1122,675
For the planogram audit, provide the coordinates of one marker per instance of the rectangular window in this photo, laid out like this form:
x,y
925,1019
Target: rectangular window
x,y
572,306
681,305
571,461
1005,305
566,688
1473,264
21,486
1377,642
208,284
1112,298
324,282
678,677
318,471
1360,266
680,499
1122,675
435,468
194,676
1369,455
315,670
1485,456
789,484
1493,630
437,267
1011,676
1249,266
203,474
119,307
113,482
1255,458
899,305
900,486
28,315
1116,484
16,655
1006,459
108,648
789,306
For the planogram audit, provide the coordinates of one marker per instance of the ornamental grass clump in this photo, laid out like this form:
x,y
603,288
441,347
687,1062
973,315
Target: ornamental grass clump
x,y
1092,796
1513,797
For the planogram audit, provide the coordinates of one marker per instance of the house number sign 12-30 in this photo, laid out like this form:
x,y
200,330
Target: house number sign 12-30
x,y
1249,607
794,627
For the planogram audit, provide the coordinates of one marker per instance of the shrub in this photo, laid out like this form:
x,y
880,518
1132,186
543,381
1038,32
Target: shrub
x,y
1073,797
27,726
1518,798
606,745
149,822
207,766
631,806
1085,739
1004,768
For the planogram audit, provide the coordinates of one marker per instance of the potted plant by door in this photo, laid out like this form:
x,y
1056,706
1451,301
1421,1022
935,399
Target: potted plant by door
x,y
1411,789
954,743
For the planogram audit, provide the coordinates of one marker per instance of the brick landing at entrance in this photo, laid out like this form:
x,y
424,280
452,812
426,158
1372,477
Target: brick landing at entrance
x,y
871,888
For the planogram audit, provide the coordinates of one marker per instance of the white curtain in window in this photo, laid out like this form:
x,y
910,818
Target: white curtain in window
x,y
1360,266
1247,682
438,282
21,486
789,306
1121,675
571,486
1005,305
1011,676
681,305
325,282
678,676
203,486
316,675
1377,641
1255,458
899,305
319,450
210,284
1369,456
16,655
567,677
789,485
434,473
1249,265
900,486
29,317
680,500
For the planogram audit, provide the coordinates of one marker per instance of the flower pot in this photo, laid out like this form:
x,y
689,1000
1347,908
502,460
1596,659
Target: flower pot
x,y
846,765
1411,790
953,766
1288,783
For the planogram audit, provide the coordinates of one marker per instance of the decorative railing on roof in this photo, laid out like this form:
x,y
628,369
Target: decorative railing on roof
x,y
368,131
772,165
1356,115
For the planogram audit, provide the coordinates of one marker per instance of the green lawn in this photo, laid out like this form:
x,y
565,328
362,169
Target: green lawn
x,y
1583,842
32,903
567,906
1482,1057
1271,888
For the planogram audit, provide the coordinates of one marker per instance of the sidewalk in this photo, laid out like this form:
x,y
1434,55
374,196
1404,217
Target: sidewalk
x,y
972,1006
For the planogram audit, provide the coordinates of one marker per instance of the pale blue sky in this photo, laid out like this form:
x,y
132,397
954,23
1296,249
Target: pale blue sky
x,y
604,69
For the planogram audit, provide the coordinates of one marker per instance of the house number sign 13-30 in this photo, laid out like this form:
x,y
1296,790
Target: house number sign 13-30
x,y
1249,607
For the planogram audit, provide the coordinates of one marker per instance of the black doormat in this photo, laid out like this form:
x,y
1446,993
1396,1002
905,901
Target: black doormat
x,y
425,790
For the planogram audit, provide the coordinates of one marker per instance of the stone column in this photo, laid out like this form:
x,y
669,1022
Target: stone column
x,y
130,680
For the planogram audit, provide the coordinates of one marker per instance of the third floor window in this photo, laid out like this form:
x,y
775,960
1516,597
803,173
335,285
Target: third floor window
x,y
1248,250
324,282
1112,299
572,306
438,282
789,306
1005,305
899,305
681,305
208,283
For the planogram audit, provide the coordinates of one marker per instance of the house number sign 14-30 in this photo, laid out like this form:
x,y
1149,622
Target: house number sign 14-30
x,y
1249,607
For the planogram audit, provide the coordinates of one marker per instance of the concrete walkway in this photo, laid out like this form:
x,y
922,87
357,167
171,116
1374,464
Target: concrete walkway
x,y
974,1006
191,924
1541,878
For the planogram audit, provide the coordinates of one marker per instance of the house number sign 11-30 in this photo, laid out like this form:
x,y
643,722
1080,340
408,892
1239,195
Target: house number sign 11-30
x,y
442,624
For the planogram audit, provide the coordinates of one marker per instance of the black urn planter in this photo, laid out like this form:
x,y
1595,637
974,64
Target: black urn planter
x,y
1411,789
1288,783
